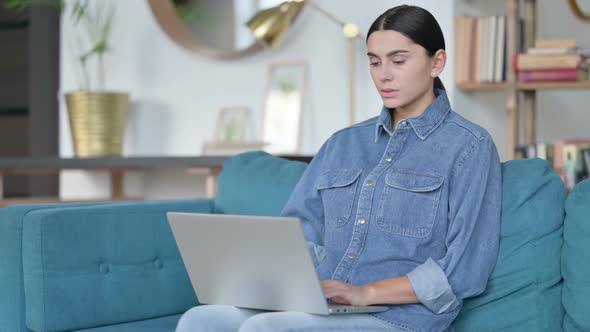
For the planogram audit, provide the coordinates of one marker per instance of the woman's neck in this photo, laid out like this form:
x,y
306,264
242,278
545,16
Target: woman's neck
x,y
412,109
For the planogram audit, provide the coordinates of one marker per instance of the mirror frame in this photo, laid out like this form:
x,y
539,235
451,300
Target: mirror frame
x,y
578,11
168,19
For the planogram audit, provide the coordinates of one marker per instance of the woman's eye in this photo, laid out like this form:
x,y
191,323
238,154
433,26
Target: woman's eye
x,y
374,64
399,62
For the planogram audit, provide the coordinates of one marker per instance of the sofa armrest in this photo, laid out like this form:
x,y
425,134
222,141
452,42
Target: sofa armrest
x,y
105,264
12,301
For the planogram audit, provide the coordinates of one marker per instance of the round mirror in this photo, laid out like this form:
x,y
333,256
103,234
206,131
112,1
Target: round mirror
x,y
215,28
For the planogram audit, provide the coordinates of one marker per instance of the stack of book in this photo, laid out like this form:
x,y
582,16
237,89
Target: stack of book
x,y
552,61
480,45
569,158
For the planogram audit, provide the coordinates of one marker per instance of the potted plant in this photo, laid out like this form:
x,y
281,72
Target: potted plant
x,y
97,117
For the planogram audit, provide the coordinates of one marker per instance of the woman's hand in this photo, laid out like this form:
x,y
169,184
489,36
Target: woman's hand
x,y
346,294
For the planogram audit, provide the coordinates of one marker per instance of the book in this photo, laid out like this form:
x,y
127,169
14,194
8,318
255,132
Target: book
x,y
544,61
564,43
480,49
545,151
586,159
570,166
552,75
575,169
474,51
492,42
551,50
500,50
558,147
520,152
536,150
459,46
463,40
566,159
482,54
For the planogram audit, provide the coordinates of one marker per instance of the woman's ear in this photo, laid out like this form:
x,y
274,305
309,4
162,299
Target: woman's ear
x,y
439,59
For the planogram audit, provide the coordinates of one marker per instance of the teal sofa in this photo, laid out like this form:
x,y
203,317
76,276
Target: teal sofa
x,y
115,266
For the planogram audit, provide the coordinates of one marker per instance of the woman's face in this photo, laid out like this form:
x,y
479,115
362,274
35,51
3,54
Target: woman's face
x,y
401,69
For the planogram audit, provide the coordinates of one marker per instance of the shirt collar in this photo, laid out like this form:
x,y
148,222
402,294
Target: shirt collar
x,y
424,124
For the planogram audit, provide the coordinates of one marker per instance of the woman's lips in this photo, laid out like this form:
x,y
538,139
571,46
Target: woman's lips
x,y
388,93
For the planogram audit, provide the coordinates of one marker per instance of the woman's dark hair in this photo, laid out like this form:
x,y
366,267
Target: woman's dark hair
x,y
415,23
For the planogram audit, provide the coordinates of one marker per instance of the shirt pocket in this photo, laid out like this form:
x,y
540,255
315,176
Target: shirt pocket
x,y
337,189
408,204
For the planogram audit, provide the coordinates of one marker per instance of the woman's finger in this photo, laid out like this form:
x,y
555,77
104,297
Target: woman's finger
x,y
332,292
331,283
340,300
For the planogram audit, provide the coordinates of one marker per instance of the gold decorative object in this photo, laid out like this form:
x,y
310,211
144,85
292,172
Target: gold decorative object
x,y
97,121
270,26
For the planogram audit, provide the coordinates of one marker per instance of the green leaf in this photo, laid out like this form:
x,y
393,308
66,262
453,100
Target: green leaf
x,y
80,10
106,28
22,5
17,5
59,5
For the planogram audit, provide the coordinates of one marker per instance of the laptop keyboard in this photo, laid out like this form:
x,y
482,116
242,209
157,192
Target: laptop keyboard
x,y
340,308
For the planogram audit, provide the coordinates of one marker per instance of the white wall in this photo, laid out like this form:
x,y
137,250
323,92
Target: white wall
x,y
175,95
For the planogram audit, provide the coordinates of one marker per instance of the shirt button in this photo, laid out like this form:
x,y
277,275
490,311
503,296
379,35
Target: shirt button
x,y
388,158
351,255
369,183
361,221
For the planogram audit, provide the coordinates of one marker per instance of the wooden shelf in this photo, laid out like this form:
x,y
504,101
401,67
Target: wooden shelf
x,y
520,98
473,86
553,85
6,202
476,86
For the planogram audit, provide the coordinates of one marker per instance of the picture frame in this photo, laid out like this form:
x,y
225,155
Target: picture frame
x,y
231,125
283,106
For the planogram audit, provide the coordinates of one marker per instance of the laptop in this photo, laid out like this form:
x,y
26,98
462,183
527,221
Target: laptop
x,y
252,262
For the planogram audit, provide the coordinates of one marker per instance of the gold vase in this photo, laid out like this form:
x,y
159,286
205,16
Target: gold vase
x,y
97,122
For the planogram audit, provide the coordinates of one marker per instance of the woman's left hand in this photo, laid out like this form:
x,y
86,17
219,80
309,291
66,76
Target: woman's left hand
x,y
346,294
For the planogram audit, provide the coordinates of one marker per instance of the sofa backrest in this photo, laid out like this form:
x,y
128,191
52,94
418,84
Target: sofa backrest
x,y
256,183
12,298
524,290
104,264
575,259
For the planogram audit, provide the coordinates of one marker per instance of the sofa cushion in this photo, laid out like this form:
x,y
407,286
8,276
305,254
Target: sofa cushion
x,y
102,265
575,259
12,300
524,290
256,183
163,324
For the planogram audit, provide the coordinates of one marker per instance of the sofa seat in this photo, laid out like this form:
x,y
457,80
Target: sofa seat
x,y
163,324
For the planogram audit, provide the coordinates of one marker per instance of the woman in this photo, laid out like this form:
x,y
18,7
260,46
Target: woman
x,y
402,209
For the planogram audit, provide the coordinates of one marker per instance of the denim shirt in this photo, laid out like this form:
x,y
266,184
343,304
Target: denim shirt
x,y
421,201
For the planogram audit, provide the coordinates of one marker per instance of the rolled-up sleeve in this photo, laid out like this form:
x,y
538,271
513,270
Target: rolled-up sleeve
x,y
472,241
306,204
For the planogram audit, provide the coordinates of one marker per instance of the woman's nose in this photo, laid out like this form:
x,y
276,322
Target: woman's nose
x,y
385,74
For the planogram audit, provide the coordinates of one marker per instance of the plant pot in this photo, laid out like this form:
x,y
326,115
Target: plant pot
x,y
97,122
